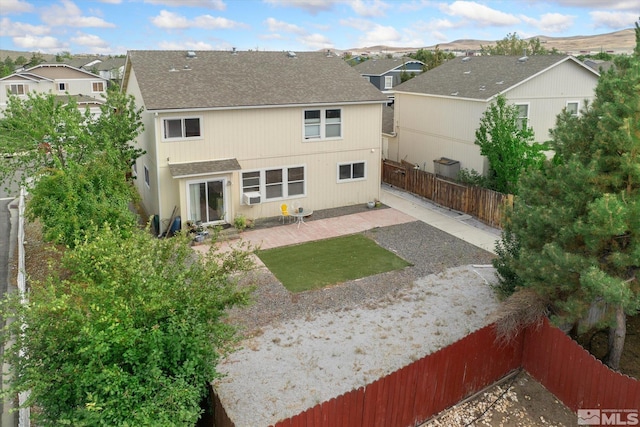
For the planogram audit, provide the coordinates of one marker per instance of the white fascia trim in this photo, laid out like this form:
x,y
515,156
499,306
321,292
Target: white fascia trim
x,y
254,107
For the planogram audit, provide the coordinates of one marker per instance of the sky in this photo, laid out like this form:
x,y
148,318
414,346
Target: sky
x,y
113,27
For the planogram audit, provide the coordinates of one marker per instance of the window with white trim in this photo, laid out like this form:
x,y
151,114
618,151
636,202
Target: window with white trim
x,y
181,128
62,87
573,107
97,87
323,123
523,115
388,82
18,89
275,183
351,171
147,179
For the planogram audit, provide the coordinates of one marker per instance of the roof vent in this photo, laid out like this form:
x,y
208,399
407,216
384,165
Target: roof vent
x,y
191,54
454,93
291,54
467,72
483,87
172,69
500,82
186,67
523,59
233,51
466,59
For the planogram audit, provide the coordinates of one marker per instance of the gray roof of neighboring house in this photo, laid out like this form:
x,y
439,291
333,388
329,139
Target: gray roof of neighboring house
x,y
482,77
378,67
222,79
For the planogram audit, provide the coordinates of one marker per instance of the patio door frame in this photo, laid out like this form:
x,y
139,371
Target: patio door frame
x,y
225,198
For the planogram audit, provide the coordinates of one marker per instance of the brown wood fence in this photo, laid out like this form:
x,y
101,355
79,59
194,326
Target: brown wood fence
x,y
486,205
439,380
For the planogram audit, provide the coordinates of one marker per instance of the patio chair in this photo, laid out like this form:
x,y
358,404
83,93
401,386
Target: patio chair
x,y
284,212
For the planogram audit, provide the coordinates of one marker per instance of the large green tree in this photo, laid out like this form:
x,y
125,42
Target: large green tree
x,y
507,142
431,58
575,225
512,44
45,132
129,337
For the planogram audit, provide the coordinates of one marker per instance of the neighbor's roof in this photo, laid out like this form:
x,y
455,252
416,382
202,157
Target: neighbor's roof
x,y
223,79
483,77
378,67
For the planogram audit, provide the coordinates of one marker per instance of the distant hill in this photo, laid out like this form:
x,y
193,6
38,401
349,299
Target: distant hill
x,y
617,42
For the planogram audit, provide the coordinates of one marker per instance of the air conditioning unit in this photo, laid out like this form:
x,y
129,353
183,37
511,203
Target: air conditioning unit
x,y
251,198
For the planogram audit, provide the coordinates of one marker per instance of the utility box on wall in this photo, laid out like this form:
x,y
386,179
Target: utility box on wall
x,y
447,168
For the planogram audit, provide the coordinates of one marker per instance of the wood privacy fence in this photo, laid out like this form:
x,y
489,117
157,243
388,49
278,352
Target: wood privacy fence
x,y
486,205
415,393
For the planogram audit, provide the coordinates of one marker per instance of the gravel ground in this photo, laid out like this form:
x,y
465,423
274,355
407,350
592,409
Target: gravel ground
x,y
303,349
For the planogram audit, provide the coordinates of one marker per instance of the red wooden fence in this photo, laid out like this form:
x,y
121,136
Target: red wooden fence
x,y
439,380
573,375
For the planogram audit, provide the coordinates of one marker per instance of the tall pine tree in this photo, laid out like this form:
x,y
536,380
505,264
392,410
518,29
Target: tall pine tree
x,y
577,221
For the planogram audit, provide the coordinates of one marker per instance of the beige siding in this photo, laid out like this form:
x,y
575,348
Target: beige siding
x,y
430,128
273,138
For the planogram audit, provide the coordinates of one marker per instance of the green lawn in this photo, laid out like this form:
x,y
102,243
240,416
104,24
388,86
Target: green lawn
x,y
326,262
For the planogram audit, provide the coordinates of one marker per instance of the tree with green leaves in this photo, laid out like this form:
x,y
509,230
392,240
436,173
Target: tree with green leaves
x,y
576,223
44,132
431,59
508,144
512,44
129,334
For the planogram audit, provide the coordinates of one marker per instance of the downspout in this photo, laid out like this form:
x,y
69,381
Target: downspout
x,y
157,171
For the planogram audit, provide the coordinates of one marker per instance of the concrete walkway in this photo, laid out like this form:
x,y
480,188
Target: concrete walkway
x,y
403,208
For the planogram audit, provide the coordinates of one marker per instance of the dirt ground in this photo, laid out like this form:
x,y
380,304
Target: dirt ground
x,y
516,401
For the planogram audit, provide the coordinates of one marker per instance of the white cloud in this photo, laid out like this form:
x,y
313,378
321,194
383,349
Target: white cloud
x,y
172,21
12,29
15,6
550,22
275,26
414,6
310,6
478,14
613,20
358,24
68,14
316,41
631,5
381,35
110,1
369,8
91,41
43,44
207,4
185,45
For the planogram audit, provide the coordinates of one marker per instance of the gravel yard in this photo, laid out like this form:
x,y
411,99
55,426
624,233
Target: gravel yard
x,y
303,349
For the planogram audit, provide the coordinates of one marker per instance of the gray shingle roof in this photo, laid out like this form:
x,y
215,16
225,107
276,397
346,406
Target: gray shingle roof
x,y
378,67
218,79
179,170
481,77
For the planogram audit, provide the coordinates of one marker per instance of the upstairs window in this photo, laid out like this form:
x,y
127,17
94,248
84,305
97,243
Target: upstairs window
x,y
62,87
388,82
323,123
182,128
97,87
18,89
523,115
573,108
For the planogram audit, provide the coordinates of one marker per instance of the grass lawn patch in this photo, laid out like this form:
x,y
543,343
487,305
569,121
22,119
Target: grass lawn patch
x,y
326,262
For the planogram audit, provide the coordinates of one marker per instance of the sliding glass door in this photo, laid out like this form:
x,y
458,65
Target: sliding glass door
x,y
206,201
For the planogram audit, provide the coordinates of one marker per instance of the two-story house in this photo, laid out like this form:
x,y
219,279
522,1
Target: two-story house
x,y
59,79
231,132
437,113
386,73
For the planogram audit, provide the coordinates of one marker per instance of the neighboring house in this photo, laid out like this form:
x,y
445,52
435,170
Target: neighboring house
x,y
230,133
438,112
385,73
106,67
58,79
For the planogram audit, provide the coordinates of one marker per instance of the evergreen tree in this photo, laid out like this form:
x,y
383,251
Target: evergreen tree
x,y
577,221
